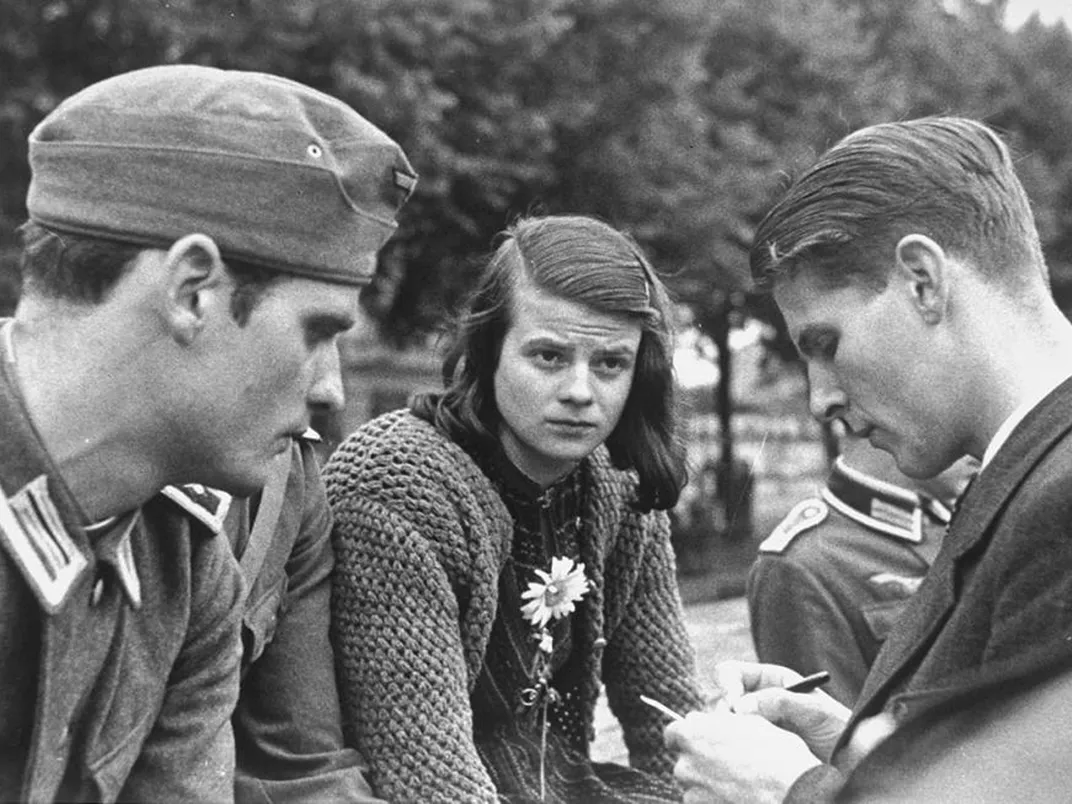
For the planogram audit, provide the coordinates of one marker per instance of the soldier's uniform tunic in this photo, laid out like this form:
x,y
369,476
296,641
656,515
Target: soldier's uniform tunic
x,y
833,577
288,724
119,644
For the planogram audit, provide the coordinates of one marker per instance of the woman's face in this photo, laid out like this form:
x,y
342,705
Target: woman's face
x,y
564,374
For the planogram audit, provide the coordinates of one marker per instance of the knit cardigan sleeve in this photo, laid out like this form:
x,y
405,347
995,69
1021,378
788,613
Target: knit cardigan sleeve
x,y
403,520
648,651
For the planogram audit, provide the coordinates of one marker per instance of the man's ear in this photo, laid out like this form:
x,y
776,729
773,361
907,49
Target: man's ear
x,y
924,265
197,283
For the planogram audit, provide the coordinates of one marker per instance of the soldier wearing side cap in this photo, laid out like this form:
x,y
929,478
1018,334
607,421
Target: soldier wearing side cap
x,y
197,240
832,578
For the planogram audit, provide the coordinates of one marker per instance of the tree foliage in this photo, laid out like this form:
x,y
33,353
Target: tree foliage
x,y
679,120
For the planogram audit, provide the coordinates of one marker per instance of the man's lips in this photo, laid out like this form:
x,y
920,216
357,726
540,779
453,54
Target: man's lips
x,y
293,433
861,431
874,435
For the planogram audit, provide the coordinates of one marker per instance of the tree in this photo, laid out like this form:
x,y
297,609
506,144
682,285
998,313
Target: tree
x,y
675,119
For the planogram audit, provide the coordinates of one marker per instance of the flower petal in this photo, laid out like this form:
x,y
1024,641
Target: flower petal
x,y
535,590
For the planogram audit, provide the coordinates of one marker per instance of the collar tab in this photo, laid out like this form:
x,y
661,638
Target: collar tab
x,y
32,530
881,506
207,505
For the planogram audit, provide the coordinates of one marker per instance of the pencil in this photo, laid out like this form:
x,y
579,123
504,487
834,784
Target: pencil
x,y
809,683
666,710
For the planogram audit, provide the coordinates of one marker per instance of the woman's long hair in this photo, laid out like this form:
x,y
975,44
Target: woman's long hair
x,y
585,261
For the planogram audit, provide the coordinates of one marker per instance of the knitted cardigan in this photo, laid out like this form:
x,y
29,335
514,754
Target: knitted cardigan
x,y
420,537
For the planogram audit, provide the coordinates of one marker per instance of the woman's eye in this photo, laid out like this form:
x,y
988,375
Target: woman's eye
x,y
613,365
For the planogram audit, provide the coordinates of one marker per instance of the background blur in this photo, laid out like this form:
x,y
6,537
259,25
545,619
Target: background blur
x,y
678,120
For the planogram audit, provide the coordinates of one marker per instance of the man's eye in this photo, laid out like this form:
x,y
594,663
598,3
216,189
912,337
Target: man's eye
x,y
547,356
826,347
315,335
819,346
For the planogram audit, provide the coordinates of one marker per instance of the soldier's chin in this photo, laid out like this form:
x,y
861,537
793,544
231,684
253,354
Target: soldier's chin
x,y
912,466
246,483
249,474
881,440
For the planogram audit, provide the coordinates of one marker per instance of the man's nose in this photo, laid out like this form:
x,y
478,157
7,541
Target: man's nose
x,y
827,400
326,390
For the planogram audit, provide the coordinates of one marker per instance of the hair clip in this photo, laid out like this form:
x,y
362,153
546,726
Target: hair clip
x,y
649,278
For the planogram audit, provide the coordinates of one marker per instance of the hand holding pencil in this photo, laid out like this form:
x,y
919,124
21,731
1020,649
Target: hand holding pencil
x,y
804,685
770,726
775,693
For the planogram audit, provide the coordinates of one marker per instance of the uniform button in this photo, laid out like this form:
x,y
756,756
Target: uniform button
x,y
98,591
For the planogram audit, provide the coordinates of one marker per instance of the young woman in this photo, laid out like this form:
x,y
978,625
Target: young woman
x,y
503,548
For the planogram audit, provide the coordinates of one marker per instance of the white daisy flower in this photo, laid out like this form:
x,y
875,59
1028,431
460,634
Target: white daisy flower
x,y
557,595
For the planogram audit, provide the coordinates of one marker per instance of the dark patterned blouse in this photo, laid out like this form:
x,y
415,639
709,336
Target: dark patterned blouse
x,y
507,723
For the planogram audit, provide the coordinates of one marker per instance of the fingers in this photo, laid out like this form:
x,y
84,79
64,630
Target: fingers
x,y
815,717
729,757
675,739
778,705
681,735
687,773
736,678
772,704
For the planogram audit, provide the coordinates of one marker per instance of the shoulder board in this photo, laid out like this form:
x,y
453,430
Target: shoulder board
x,y
805,514
311,435
207,505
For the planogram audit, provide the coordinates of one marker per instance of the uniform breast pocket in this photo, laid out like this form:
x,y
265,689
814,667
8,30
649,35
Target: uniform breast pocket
x,y
111,770
124,706
260,620
881,617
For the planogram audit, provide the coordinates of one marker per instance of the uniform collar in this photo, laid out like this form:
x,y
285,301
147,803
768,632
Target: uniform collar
x,y
882,506
41,524
50,558
115,548
207,505
38,517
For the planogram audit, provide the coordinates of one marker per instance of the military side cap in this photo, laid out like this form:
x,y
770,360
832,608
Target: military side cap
x,y
277,173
